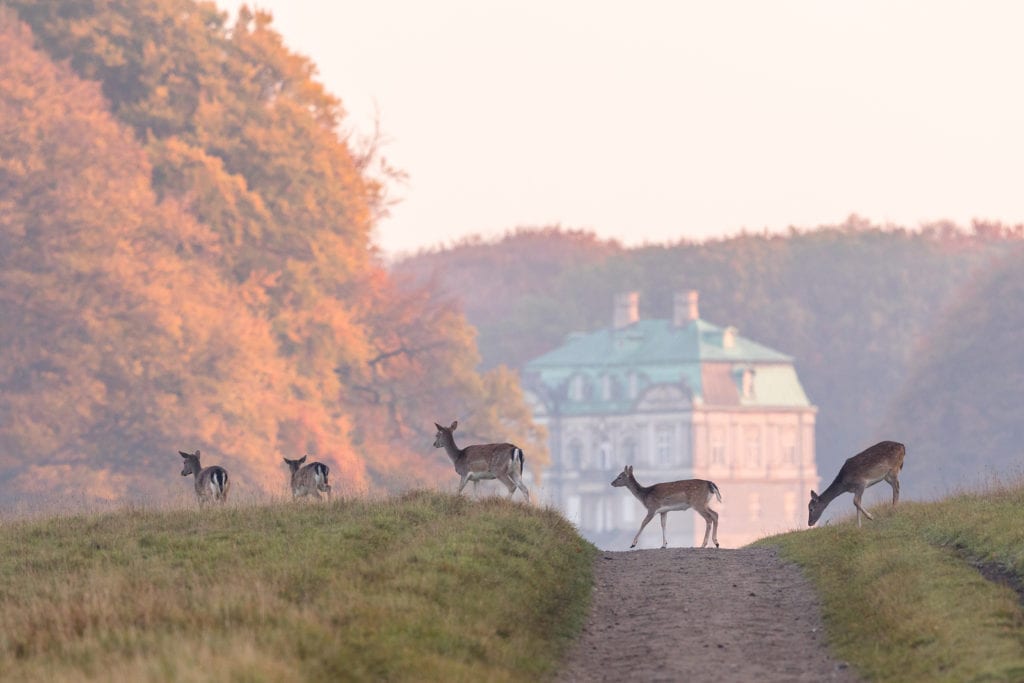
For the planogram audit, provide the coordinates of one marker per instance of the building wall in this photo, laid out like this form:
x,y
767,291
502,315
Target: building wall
x,y
762,461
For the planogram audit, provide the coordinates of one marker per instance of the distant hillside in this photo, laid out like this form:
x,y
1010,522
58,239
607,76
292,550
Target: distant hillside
x,y
850,302
961,405
499,284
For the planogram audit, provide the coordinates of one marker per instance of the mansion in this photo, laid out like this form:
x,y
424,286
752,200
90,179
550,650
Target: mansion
x,y
677,398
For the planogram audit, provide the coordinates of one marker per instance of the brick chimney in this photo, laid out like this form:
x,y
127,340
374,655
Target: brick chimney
x,y
685,308
626,310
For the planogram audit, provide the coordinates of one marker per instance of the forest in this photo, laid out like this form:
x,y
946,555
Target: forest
x,y
187,261
905,334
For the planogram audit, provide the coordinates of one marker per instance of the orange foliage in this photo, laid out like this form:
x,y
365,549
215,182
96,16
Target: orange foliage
x,y
185,262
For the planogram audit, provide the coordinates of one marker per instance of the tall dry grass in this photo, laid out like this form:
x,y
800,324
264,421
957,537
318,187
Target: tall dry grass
x,y
423,587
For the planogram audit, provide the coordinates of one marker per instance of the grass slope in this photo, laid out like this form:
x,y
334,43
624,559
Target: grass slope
x,y
427,587
903,596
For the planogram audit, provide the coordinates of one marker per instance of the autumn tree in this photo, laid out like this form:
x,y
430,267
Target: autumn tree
x,y
188,263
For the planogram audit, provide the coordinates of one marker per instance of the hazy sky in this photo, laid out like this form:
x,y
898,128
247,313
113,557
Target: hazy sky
x,y
659,120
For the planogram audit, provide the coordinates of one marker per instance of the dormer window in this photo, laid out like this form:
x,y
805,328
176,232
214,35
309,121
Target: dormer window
x,y
747,383
577,388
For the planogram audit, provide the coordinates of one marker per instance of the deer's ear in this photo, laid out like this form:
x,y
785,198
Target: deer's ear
x,y
454,425
197,452
629,468
814,496
183,454
439,427
302,459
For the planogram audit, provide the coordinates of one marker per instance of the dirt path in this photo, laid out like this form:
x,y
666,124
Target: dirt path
x,y
695,615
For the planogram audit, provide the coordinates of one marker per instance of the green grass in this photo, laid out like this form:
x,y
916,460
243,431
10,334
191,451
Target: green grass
x,y
902,597
426,587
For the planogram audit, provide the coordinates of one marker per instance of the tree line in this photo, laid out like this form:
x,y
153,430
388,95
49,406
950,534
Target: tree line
x,y
905,334
186,262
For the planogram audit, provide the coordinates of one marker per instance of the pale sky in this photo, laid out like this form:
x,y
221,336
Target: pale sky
x,y
653,121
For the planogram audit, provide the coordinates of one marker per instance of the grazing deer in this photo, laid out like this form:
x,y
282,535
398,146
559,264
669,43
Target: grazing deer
x,y
501,461
211,482
882,461
673,495
308,480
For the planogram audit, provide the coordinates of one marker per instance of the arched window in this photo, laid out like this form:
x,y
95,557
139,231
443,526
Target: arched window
x,y
628,451
664,446
605,449
753,435
789,454
718,446
574,455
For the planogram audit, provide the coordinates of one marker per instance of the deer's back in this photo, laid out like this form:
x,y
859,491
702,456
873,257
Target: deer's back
x,y
691,491
306,477
874,463
487,457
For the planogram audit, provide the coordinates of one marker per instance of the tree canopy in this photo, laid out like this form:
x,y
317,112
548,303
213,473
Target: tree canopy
x,y
186,262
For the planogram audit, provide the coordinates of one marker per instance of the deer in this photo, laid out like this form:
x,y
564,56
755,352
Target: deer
x,y
673,495
501,461
211,482
308,480
881,462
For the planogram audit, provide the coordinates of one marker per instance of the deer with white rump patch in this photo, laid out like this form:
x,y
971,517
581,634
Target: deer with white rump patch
x,y
308,480
673,495
501,461
211,482
881,462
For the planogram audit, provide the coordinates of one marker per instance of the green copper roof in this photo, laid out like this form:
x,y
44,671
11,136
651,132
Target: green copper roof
x,y
656,341
659,352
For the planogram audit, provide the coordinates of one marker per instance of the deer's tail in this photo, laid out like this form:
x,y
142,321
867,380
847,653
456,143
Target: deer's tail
x,y
518,458
219,477
320,473
714,489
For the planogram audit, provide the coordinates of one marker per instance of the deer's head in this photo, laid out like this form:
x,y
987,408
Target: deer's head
x,y
191,463
814,508
444,435
294,465
624,476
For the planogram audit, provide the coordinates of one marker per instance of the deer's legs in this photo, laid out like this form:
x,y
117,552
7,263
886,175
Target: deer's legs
x,y
518,481
465,480
648,518
856,503
894,482
711,526
664,538
509,484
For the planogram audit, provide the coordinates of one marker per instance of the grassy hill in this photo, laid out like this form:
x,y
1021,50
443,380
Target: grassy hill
x,y
926,592
436,587
425,587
